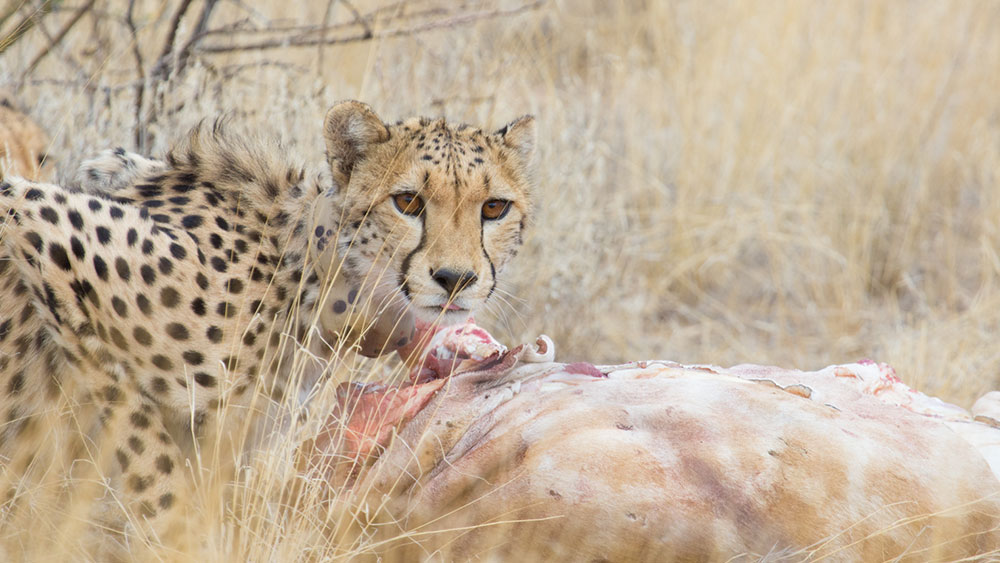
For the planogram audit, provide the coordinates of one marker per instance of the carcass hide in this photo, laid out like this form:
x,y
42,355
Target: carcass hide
x,y
524,459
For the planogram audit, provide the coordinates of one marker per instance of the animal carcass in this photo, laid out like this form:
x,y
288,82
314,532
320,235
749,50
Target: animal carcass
x,y
520,458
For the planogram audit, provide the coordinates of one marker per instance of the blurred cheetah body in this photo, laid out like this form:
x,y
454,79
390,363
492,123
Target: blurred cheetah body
x,y
23,144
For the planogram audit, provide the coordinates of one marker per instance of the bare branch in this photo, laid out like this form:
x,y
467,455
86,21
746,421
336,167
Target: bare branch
x,y
140,90
248,9
320,51
134,32
12,9
58,37
25,25
80,83
357,17
162,66
67,57
385,14
184,55
231,71
172,65
443,23
161,71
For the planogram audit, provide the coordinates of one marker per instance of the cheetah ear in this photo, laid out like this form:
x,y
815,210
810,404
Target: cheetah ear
x,y
351,128
520,135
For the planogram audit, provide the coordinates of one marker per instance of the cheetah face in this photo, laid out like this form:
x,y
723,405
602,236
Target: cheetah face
x,y
429,213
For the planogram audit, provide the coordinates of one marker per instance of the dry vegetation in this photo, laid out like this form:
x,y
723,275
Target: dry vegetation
x,y
786,183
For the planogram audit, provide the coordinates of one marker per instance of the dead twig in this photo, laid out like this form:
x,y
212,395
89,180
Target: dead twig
x,y
357,17
58,37
160,72
184,55
25,25
320,51
282,42
140,90
248,8
12,9
386,15
171,63
231,71
162,66
80,84
67,57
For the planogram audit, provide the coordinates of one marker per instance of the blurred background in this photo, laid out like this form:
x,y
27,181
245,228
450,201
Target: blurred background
x,y
782,182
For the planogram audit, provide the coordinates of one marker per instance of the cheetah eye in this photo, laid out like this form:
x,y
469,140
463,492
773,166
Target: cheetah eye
x,y
495,209
41,158
408,203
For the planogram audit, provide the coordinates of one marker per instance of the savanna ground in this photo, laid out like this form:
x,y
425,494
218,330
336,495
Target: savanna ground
x,y
789,183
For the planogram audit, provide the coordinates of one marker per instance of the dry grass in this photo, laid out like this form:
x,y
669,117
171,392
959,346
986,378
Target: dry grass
x,y
785,182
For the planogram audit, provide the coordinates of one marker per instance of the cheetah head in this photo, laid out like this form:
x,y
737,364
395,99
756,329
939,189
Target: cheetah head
x,y
425,212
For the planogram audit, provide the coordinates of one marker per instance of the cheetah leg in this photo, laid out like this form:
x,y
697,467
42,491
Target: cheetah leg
x,y
145,467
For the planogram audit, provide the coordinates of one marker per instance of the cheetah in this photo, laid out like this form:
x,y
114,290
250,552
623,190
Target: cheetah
x,y
23,143
155,299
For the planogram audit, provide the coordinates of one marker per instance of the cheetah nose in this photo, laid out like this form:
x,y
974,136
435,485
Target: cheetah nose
x,y
453,281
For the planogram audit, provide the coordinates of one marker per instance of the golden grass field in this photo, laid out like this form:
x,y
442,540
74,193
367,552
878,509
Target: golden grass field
x,y
790,183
